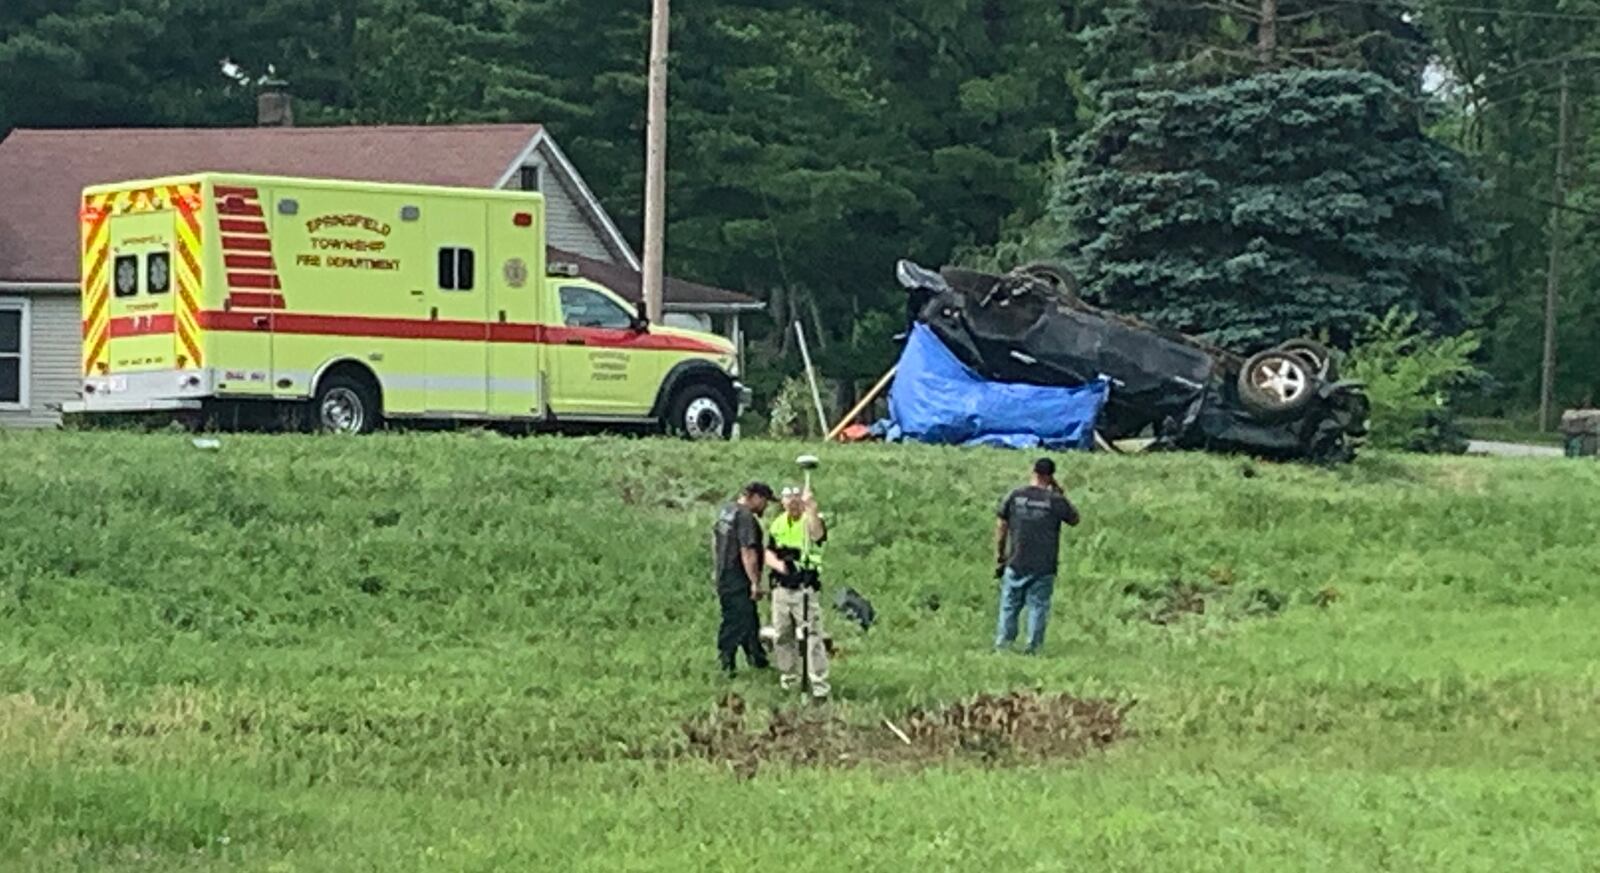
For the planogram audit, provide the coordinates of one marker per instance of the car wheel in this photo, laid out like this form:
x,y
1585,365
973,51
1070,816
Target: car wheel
x,y
344,404
700,412
1319,356
1276,383
1058,278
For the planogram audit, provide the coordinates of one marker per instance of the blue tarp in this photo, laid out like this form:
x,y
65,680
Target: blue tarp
x,y
938,399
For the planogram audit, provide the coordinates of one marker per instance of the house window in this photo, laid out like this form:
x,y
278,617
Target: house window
x,y
586,307
457,268
528,179
13,353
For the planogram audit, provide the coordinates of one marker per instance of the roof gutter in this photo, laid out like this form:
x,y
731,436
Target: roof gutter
x,y
714,308
38,287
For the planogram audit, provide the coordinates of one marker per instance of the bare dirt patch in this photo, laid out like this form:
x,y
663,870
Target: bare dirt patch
x,y
1170,603
988,729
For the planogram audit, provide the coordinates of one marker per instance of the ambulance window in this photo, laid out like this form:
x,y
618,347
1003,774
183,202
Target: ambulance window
x,y
158,272
586,307
125,276
456,269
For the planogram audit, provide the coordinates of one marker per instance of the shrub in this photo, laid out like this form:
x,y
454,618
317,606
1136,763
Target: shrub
x,y
1410,377
793,413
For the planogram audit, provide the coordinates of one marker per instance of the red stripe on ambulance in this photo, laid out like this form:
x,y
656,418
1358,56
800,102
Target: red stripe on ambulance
x,y
140,325
466,331
250,300
237,225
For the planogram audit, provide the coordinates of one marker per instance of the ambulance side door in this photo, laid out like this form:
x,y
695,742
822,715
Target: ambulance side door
x,y
240,271
515,271
457,308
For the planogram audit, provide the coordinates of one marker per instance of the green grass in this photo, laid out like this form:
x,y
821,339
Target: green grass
x,y
460,653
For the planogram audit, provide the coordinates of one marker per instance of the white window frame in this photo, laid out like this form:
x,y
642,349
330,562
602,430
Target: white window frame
x,y
24,340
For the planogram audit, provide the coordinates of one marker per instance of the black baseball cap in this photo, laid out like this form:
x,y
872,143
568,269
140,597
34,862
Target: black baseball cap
x,y
761,490
1044,467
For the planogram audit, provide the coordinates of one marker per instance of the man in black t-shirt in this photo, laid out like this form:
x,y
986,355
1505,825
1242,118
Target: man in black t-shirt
x,y
1027,553
737,556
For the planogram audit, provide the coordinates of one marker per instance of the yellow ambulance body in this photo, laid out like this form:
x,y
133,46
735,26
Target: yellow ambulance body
x,y
362,302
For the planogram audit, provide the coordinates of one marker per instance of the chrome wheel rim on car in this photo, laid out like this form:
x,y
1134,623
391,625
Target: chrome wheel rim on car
x,y
1282,378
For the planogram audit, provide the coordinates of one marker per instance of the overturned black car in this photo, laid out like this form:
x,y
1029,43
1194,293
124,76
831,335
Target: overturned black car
x,y
1286,403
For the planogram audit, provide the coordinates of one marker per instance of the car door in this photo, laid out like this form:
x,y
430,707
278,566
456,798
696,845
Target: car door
x,y
598,367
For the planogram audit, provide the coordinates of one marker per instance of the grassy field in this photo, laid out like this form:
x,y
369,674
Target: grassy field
x,y
461,653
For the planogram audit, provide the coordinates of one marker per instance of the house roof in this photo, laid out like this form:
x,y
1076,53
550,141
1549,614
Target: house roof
x,y
678,294
43,172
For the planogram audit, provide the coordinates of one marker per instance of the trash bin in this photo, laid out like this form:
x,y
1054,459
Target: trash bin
x,y
1581,427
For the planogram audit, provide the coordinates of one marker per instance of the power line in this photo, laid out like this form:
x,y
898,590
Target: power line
x,y
1542,201
1531,14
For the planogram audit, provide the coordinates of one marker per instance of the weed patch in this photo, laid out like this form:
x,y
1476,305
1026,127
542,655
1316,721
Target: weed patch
x,y
988,729
1170,603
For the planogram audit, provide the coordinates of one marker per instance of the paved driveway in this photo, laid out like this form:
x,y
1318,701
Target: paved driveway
x,y
1512,450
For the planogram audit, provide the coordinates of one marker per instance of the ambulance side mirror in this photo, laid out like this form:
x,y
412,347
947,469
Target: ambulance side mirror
x,y
641,318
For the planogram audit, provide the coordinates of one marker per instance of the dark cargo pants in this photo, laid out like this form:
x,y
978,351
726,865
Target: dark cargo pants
x,y
741,628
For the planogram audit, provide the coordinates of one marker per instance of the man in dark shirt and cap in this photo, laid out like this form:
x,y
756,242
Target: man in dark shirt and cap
x,y
738,554
1027,552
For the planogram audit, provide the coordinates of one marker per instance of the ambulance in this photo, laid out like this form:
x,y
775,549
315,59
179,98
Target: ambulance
x,y
360,303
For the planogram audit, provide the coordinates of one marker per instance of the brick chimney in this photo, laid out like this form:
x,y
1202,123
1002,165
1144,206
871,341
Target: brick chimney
x,y
274,105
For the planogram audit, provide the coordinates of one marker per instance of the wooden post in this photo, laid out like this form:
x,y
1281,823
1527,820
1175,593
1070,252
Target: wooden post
x,y
655,180
811,374
865,401
1552,287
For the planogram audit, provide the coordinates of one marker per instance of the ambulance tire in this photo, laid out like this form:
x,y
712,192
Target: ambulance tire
x,y
346,403
700,411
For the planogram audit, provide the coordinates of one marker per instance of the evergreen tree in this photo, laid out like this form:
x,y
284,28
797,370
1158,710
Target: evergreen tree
x,y
1253,188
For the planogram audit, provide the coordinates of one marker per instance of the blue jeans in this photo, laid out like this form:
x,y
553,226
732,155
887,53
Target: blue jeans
x,y
1015,590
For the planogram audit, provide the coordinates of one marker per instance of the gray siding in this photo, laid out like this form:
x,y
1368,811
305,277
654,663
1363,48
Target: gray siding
x,y
568,227
54,346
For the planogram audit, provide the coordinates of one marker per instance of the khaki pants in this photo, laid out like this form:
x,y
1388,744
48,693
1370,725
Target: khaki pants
x,y
788,618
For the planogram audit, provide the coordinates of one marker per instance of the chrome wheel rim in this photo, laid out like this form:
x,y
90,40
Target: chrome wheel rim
x,y
703,420
1282,378
342,411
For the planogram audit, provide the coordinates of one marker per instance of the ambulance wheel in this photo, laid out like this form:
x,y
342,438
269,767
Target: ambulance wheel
x,y
345,403
700,412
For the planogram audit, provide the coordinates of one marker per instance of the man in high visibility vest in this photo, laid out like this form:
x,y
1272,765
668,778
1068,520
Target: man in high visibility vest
x,y
796,539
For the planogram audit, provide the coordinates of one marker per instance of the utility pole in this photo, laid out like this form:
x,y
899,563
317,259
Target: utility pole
x,y
655,178
1552,289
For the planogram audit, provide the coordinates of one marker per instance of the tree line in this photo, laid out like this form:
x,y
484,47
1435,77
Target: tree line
x,y
1245,169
